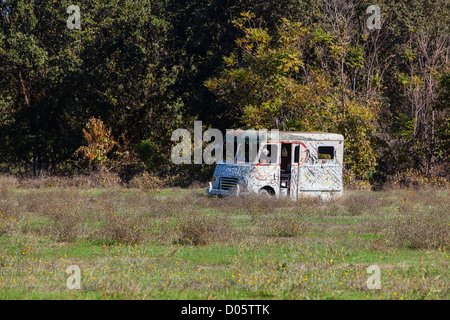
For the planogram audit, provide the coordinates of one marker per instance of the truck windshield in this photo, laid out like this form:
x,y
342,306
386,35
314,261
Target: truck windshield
x,y
247,152
239,152
228,152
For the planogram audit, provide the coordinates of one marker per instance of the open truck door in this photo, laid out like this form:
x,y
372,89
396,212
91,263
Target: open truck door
x,y
299,155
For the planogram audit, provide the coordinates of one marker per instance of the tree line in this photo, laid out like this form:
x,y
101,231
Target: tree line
x,y
111,93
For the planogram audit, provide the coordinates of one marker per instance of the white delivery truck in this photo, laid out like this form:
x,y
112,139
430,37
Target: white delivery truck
x,y
286,164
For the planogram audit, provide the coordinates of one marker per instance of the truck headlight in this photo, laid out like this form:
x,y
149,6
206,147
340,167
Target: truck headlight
x,y
214,181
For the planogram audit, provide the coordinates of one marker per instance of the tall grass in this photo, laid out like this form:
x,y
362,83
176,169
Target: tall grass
x,y
423,221
154,242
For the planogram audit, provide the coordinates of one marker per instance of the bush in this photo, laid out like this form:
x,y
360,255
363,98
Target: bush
x,y
146,181
283,226
68,168
422,230
7,182
202,230
67,226
411,179
357,204
148,153
6,223
121,229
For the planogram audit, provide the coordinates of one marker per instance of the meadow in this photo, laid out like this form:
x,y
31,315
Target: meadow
x,y
173,243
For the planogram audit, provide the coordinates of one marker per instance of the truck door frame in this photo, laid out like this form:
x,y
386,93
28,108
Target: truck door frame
x,y
294,173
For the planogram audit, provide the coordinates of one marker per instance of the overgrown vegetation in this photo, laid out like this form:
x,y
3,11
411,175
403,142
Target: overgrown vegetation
x,y
137,70
179,243
86,176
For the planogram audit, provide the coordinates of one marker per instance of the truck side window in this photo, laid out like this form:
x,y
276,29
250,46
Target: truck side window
x,y
325,153
269,154
296,154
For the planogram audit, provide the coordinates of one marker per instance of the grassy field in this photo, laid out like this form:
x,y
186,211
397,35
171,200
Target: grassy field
x,y
181,244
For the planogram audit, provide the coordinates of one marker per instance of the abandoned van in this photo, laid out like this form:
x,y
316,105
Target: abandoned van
x,y
288,164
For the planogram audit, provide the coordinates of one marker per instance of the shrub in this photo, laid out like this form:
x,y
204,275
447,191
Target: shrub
x,y
283,225
202,230
99,143
148,153
8,181
422,230
146,181
411,179
122,229
357,204
67,226
5,223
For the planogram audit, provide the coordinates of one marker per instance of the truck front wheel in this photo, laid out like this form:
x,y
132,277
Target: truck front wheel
x,y
267,191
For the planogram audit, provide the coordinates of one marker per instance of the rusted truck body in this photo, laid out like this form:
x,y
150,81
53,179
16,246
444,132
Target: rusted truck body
x,y
302,164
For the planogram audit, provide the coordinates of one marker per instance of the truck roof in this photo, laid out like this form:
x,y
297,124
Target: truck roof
x,y
284,135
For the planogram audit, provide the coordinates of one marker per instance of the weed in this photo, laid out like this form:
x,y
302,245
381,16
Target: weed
x,y
357,204
283,225
423,230
121,229
180,244
200,230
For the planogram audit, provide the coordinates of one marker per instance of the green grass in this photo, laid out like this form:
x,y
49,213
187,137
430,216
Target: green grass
x,y
251,251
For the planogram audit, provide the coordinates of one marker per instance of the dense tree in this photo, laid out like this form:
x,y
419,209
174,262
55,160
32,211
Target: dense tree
x,y
54,78
282,83
145,67
201,33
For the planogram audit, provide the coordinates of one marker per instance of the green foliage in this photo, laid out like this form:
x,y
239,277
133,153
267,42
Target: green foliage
x,y
148,153
54,79
355,57
275,85
148,67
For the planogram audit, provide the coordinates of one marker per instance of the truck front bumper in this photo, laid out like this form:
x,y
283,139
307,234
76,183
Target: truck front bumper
x,y
234,192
